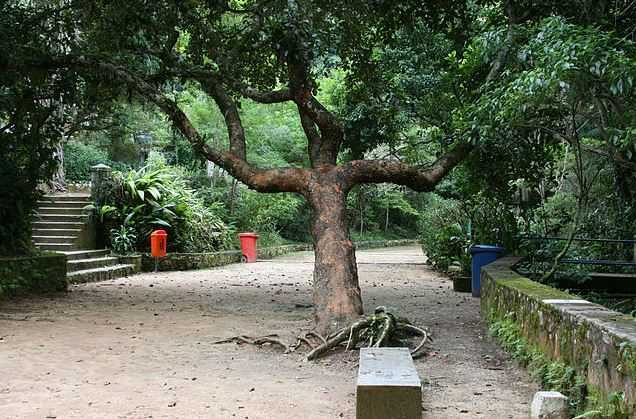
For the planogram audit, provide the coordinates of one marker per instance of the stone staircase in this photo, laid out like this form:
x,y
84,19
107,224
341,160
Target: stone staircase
x,y
61,224
94,265
60,221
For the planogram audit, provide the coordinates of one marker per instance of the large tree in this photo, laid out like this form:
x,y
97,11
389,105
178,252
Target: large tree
x,y
269,52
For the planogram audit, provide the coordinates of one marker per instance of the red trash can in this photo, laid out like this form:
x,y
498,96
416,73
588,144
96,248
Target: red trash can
x,y
158,243
248,246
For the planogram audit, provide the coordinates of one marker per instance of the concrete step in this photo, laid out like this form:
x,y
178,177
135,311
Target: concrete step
x,y
47,218
86,254
58,247
56,231
61,210
67,197
100,274
58,225
54,239
67,204
92,263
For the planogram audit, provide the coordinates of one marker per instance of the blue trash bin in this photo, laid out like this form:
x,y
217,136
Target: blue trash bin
x,y
482,254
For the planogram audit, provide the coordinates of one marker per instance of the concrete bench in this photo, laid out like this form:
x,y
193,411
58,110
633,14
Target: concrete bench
x,y
388,385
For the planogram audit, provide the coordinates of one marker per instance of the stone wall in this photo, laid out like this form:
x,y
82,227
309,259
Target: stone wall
x,y
375,244
599,343
189,261
32,274
134,260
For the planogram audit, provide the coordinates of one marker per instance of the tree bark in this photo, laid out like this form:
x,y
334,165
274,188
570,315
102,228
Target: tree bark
x,y
337,298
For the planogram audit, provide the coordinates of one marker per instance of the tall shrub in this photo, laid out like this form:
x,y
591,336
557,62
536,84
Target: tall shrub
x,y
158,196
78,159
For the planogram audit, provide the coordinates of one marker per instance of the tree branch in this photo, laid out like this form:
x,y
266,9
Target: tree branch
x,y
313,137
393,171
274,96
331,128
230,112
272,180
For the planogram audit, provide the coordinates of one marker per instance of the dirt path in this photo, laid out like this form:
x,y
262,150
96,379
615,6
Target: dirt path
x,y
142,346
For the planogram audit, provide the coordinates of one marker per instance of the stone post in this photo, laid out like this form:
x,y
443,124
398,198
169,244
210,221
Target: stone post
x,y
549,405
100,175
389,386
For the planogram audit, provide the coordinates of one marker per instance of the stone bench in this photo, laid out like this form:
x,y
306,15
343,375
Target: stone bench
x,y
388,385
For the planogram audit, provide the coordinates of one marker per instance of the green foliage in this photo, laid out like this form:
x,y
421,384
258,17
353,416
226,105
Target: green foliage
x,y
383,210
448,227
32,274
79,158
612,408
565,85
35,112
375,236
268,214
157,196
408,79
202,230
445,235
123,240
26,152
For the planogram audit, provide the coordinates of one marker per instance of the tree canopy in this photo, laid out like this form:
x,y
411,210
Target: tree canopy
x,y
415,88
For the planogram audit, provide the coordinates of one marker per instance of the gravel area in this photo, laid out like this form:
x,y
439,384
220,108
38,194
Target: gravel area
x,y
143,346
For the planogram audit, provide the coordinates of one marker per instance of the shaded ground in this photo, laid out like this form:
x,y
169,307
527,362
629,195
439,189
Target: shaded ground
x,y
142,346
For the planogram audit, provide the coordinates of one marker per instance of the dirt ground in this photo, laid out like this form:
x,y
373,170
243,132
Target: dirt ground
x,y
142,346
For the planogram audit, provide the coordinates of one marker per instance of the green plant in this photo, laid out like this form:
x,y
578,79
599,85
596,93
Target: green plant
x,y
552,375
145,199
45,272
123,240
260,212
613,408
79,158
107,211
158,196
444,235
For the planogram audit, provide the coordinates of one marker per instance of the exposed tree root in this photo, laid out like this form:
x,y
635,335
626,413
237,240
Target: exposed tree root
x,y
258,341
379,329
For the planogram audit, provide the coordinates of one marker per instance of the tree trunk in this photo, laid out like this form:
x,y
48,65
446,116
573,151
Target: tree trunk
x,y
233,189
361,205
336,297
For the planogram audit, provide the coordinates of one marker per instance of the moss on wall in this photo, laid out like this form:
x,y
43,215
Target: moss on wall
x,y
597,343
552,375
32,274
